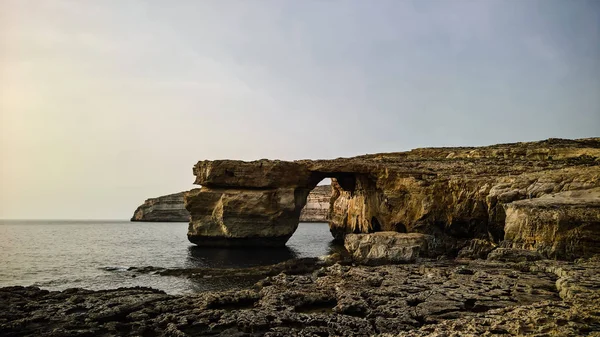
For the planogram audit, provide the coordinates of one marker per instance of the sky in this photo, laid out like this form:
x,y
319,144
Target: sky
x,y
104,103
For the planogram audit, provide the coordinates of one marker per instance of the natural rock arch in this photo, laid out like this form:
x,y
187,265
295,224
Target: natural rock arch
x,y
258,203
454,194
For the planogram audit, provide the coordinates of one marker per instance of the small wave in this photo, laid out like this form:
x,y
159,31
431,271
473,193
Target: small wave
x,y
56,282
50,283
115,268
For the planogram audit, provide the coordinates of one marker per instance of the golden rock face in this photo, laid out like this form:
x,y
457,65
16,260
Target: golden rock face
x,y
454,194
563,225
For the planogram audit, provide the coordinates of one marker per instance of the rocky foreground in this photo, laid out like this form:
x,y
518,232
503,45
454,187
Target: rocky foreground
x,y
432,298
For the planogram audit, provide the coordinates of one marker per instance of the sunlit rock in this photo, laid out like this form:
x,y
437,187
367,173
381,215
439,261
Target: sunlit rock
x,y
453,194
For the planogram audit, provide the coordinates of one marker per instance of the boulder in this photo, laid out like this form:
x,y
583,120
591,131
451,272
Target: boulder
x,y
560,225
386,247
514,255
477,249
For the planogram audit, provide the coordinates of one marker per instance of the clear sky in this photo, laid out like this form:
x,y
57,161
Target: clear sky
x,y
106,103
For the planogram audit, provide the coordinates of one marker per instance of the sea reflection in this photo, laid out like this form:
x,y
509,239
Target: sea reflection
x,y
309,240
210,257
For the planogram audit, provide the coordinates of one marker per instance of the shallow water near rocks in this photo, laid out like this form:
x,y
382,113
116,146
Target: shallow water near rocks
x,y
57,254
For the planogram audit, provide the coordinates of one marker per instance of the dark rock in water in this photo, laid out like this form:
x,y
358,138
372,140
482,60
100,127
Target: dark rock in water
x,y
290,267
455,194
547,298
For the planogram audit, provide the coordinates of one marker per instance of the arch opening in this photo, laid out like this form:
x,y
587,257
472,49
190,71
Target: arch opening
x,y
312,237
351,205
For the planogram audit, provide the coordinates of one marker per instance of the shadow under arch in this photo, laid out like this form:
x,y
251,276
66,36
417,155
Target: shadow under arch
x,y
214,257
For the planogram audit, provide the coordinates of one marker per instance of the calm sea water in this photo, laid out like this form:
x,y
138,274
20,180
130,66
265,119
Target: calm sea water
x,y
57,255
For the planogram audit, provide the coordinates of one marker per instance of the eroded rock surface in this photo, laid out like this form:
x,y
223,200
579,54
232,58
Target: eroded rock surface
x,y
454,194
387,247
565,224
513,255
444,298
242,217
171,208
477,249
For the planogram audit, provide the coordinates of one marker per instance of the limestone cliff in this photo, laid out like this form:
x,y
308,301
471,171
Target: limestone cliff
x,y
171,208
454,194
168,208
317,205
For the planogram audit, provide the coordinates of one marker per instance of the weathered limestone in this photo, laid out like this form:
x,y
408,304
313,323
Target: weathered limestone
x,y
168,208
564,224
387,247
454,194
242,217
171,208
264,174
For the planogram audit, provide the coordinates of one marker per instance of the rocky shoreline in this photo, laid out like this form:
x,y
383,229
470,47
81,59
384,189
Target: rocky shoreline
x,y
333,298
440,242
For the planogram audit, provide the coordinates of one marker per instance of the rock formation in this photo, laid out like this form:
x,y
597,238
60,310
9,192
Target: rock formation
x,y
168,208
171,208
455,194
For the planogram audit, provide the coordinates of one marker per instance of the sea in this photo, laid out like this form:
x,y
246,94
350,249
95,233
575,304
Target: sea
x,y
61,254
